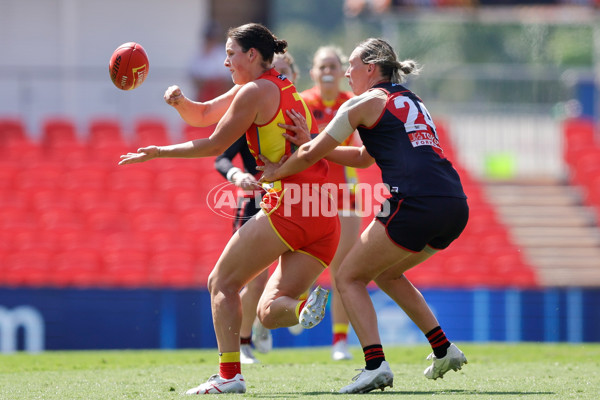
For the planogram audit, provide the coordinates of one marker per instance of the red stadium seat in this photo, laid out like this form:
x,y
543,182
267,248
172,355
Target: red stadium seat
x,y
152,217
103,130
12,130
106,219
91,176
57,131
192,132
106,141
78,267
131,177
40,175
126,267
27,268
586,166
175,268
149,131
58,217
8,173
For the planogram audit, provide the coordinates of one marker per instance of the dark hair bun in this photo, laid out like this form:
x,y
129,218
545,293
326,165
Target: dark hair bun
x,y
280,46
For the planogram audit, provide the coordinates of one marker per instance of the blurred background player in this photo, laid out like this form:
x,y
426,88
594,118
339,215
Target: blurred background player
x,y
252,332
206,69
324,99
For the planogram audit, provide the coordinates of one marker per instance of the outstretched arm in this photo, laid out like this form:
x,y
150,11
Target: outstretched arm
x,y
238,117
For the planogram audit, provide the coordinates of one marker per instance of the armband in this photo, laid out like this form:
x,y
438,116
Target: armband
x,y
339,128
231,172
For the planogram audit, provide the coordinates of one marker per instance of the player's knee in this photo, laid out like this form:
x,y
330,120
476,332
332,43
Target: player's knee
x,y
220,284
265,316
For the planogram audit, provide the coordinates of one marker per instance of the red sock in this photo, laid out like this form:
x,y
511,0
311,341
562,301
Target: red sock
x,y
339,336
229,365
299,308
229,370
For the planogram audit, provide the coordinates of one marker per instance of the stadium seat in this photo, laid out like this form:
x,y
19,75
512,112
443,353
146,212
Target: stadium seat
x,y
57,131
106,219
61,142
8,173
12,130
27,268
21,237
106,141
428,274
511,270
152,217
103,130
174,268
91,176
78,267
39,175
16,216
578,136
149,131
586,166
192,132
184,200
57,217
22,153
125,267
44,198
131,177
173,180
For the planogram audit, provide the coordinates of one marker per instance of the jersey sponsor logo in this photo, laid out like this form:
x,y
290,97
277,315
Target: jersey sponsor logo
x,y
423,139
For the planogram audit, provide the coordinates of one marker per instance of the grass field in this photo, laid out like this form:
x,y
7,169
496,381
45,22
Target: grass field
x,y
495,371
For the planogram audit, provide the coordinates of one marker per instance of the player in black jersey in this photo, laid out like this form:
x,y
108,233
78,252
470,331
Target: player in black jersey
x,y
427,209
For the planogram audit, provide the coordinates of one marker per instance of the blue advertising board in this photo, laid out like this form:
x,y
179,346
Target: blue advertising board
x,y
78,319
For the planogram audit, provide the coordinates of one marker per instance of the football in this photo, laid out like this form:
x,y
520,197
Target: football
x,y
128,66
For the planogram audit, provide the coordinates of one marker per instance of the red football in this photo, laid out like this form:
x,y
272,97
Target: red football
x,y
128,66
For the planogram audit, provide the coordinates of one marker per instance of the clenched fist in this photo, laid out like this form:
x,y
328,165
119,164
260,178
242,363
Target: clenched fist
x,y
174,96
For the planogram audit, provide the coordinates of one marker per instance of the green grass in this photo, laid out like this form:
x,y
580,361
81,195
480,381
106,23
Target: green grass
x,y
495,371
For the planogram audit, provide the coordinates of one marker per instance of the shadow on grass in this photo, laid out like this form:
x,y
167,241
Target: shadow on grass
x,y
458,392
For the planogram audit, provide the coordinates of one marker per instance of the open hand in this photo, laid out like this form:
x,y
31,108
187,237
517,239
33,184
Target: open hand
x,y
269,169
300,128
245,181
143,154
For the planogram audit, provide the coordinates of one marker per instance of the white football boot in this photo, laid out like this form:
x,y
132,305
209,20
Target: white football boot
x,y
261,337
340,351
453,360
369,380
246,355
217,385
314,308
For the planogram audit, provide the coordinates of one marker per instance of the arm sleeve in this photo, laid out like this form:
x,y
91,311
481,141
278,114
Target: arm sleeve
x,y
340,128
223,162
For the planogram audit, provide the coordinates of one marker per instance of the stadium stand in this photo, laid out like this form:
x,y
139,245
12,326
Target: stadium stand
x,y
80,220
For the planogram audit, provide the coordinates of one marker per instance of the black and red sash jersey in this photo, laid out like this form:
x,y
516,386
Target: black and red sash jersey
x,y
406,148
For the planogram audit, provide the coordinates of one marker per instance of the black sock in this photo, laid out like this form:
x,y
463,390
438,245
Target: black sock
x,y
373,356
246,340
438,341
